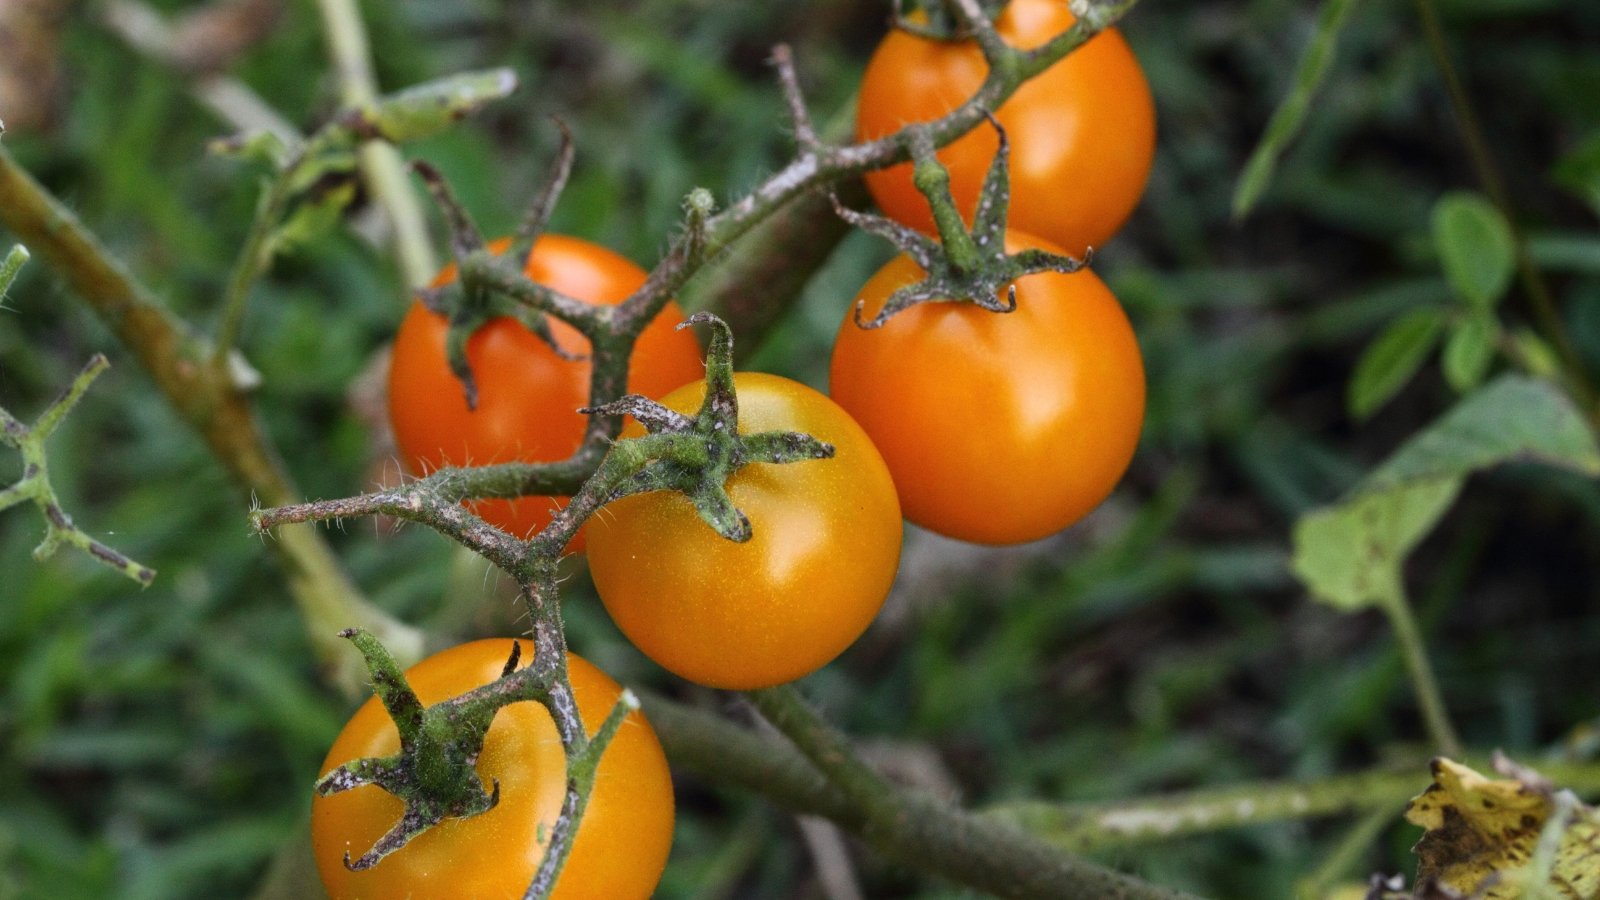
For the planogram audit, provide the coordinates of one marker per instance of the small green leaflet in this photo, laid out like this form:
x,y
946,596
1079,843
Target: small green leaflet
x,y
1475,248
430,108
1469,351
1392,359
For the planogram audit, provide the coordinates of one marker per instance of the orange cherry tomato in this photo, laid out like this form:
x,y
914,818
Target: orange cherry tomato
x,y
822,556
528,396
999,427
623,839
1082,133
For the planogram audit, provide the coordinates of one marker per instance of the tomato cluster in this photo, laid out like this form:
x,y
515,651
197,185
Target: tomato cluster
x,y
991,427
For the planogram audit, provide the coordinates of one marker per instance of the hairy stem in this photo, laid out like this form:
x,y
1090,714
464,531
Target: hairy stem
x,y
985,853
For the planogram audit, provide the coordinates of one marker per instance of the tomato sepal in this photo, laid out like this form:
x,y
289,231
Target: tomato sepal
x,y
433,774
696,455
963,265
469,303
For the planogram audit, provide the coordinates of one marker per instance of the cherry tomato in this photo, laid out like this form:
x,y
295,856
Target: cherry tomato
x,y
622,841
1082,133
999,427
528,396
825,544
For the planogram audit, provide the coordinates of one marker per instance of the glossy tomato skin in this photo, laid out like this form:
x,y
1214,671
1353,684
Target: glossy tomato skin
x,y
1082,133
528,396
622,841
999,428
825,545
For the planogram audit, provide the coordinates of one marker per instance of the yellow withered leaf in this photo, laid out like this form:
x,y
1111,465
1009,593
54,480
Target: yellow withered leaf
x,y
1482,837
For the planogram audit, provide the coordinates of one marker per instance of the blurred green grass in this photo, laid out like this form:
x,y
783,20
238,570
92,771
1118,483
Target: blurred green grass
x,y
161,743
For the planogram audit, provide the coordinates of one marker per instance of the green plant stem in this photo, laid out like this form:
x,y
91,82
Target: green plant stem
x,y
719,750
981,852
382,169
176,359
253,260
1483,164
35,486
1435,715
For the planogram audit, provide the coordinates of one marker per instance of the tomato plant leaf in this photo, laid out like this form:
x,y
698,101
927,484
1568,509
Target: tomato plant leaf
x,y
431,107
1512,418
1290,115
314,216
1475,247
1468,352
1504,839
1350,554
1392,359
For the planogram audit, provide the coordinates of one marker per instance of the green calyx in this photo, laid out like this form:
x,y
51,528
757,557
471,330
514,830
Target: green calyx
x,y
467,302
434,773
963,265
696,455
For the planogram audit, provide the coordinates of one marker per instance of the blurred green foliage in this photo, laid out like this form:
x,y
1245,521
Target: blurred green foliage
x,y
162,743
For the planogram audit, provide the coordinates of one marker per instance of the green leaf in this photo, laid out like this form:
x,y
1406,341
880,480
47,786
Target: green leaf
x,y
430,108
1392,360
1475,247
314,216
10,266
1349,555
1469,351
1290,115
262,147
1512,418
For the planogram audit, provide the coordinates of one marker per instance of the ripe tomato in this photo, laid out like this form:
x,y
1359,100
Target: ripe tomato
x,y
1082,132
999,428
825,544
528,396
622,841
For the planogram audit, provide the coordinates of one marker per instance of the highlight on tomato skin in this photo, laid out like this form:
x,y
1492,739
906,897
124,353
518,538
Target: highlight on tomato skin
x,y
528,396
998,428
623,840
825,546
1082,133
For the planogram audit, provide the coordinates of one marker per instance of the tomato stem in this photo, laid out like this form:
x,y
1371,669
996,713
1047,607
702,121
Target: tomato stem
x,y
973,850
34,485
968,266
539,212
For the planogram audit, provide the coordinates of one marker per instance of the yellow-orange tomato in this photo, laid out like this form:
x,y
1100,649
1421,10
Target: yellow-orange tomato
x,y
999,427
823,553
528,396
1082,133
622,841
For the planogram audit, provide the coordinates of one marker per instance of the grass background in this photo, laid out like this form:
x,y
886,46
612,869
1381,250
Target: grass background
x,y
161,743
